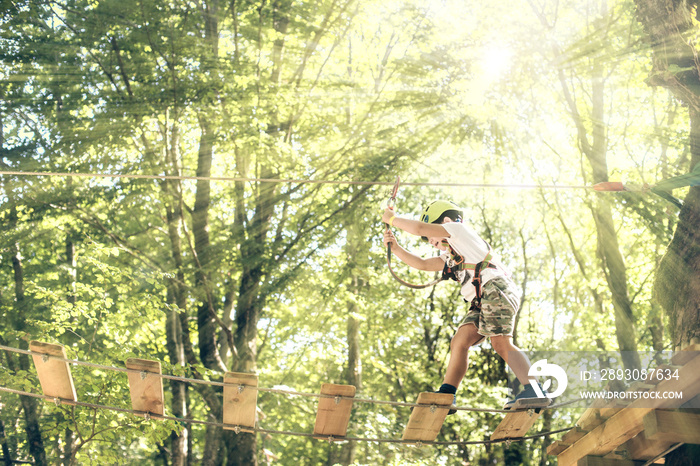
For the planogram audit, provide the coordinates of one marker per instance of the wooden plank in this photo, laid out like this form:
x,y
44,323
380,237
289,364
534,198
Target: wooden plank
x,y
618,454
628,422
591,417
516,424
682,357
557,447
642,448
425,421
333,414
240,401
54,375
613,408
529,403
672,426
566,441
692,404
573,435
599,461
146,388
663,371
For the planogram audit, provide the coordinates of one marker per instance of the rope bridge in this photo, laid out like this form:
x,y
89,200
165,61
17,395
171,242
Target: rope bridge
x,y
240,401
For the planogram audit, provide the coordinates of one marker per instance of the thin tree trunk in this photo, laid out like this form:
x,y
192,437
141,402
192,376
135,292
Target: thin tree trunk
x,y
206,323
6,454
180,442
594,147
30,405
608,250
355,250
71,263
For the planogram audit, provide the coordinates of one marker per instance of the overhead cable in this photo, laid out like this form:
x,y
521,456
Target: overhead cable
x,y
288,180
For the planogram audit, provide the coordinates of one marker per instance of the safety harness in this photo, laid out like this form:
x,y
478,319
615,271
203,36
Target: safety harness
x,y
457,264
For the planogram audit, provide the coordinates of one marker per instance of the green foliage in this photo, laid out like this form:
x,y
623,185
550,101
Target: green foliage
x,y
338,91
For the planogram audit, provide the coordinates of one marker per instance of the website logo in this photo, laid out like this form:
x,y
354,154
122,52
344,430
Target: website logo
x,y
543,369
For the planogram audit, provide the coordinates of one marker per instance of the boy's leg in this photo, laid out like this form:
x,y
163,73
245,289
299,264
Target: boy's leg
x,y
511,354
465,337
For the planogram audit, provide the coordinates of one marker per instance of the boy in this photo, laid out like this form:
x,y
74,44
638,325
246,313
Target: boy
x,y
469,260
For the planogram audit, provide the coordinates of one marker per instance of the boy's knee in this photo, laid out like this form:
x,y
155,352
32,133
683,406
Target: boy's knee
x,y
465,337
458,342
501,344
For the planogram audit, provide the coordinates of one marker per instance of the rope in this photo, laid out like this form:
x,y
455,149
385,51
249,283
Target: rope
x,y
392,201
287,180
237,429
263,389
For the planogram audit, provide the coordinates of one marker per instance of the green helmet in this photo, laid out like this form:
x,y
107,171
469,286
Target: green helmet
x,y
438,210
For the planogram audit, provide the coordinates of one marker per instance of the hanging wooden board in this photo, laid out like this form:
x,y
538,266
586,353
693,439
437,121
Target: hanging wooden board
x,y
240,401
146,386
524,414
54,375
334,413
425,421
516,424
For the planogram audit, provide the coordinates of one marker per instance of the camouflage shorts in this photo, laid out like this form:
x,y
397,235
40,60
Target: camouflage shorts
x,y
499,304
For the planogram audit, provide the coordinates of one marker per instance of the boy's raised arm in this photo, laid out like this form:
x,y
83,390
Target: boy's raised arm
x,y
414,227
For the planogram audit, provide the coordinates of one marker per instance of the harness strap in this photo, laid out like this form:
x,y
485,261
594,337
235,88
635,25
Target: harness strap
x,y
477,268
476,281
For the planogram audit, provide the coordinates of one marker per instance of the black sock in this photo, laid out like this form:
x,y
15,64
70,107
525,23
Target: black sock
x,y
447,388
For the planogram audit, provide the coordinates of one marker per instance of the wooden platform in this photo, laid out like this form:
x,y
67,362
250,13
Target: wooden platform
x,y
425,421
54,374
516,423
642,429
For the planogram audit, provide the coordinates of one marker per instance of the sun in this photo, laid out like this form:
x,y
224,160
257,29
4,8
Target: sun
x,y
495,60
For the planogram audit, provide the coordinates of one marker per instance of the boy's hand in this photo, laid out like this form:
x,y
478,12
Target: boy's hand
x,y
389,238
388,213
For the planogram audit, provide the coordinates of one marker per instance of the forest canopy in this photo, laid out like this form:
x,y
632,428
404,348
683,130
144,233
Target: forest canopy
x,y
213,181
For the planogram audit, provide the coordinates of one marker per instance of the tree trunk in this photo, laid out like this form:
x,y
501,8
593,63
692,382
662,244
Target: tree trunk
x,y
242,447
206,322
594,147
71,285
677,284
612,262
180,443
30,405
355,249
675,67
6,454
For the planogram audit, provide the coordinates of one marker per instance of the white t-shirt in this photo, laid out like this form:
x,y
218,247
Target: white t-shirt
x,y
468,244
